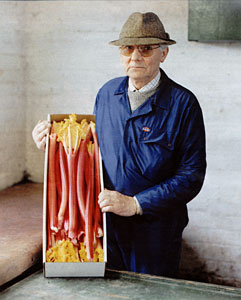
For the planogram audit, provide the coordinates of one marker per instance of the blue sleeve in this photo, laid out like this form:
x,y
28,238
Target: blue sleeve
x,y
95,106
189,174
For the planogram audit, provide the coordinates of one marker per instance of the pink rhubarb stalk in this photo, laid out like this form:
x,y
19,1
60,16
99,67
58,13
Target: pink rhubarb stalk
x,y
89,230
64,185
52,192
58,177
81,183
73,220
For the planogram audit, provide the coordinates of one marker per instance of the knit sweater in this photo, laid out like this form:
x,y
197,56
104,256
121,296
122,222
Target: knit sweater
x,y
136,98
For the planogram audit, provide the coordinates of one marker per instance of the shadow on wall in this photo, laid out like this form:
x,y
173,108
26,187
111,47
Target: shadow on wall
x,y
192,267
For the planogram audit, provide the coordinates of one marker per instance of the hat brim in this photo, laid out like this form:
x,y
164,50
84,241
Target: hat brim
x,y
141,41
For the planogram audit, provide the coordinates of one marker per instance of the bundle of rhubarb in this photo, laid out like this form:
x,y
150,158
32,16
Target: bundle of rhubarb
x,y
74,217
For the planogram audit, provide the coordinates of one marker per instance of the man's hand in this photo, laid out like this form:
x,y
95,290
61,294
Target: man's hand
x,y
112,201
39,134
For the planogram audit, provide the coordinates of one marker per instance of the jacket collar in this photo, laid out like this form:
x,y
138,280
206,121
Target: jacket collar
x,y
159,98
123,86
162,97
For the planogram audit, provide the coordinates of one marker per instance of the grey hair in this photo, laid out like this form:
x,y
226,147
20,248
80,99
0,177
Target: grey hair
x,y
163,47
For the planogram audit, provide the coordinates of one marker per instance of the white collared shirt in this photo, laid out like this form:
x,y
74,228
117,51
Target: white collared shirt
x,y
148,87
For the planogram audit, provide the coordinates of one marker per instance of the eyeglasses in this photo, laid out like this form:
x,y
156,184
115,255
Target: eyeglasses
x,y
145,50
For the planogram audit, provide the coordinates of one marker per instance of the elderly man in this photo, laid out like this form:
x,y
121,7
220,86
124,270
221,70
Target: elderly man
x,y
152,141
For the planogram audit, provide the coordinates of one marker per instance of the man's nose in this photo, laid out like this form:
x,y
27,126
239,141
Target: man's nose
x,y
136,55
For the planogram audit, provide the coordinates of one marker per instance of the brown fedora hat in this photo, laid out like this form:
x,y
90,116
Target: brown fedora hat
x,y
143,29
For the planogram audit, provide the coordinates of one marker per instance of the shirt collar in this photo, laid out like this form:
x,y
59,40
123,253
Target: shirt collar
x,y
148,87
160,100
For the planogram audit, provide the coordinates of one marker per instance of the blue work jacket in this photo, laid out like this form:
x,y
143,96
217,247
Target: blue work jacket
x,y
156,153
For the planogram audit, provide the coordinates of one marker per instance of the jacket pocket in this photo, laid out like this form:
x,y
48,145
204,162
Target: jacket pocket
x,y
157,137
155,156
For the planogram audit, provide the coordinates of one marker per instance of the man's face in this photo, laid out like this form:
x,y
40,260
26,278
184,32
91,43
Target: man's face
x,y
142,69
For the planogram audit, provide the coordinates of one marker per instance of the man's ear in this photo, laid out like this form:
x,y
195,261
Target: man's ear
x,y
164,54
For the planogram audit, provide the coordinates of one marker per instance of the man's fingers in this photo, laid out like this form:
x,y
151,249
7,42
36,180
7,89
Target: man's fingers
x,y
42,134
41,144
101,197
107,209
115,202
44,125
39,133
105,202
104,194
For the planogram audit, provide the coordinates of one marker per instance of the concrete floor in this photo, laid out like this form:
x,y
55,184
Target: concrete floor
x,y
20,229
116,285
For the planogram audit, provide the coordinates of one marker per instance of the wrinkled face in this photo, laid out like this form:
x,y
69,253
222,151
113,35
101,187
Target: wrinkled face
x,y
140,68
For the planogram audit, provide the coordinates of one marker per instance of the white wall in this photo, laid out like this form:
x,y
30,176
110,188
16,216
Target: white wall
x,y
67,59
12,100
